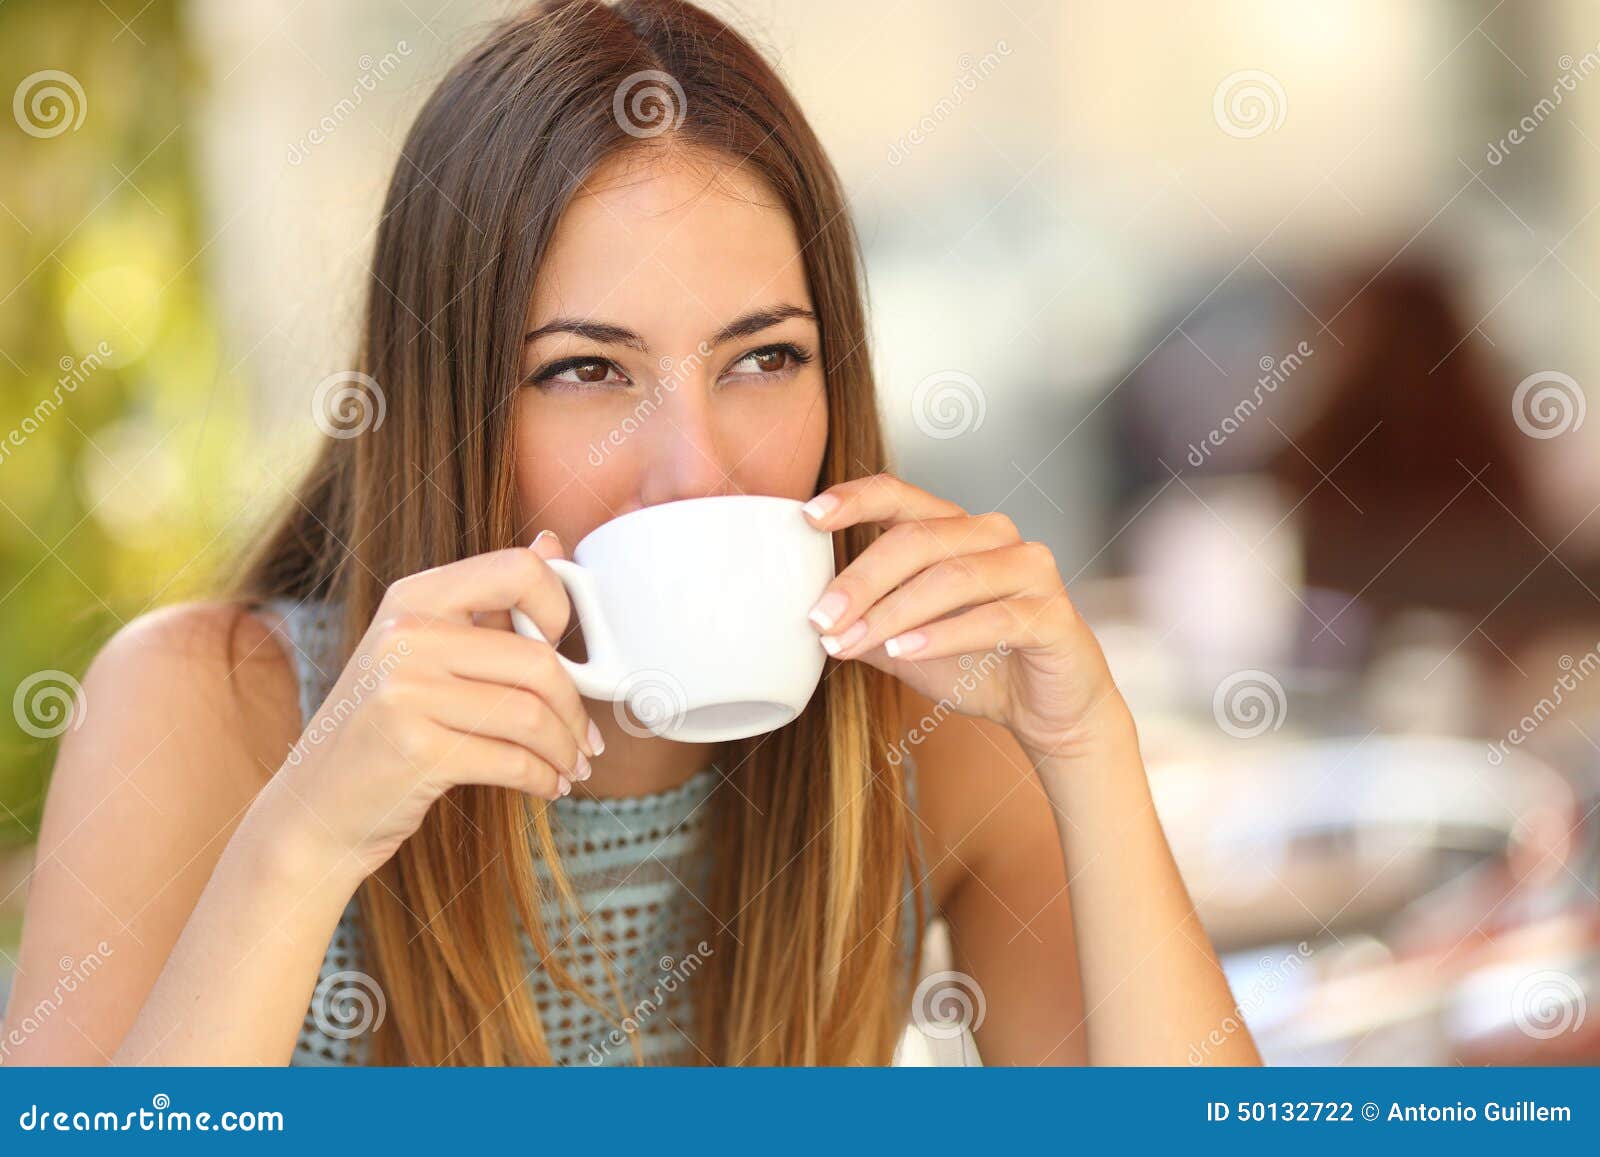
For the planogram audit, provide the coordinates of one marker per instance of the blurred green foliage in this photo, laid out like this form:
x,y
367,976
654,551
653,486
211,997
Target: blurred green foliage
x,y
119,419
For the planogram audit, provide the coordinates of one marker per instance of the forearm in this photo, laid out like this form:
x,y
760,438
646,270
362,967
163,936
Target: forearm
x,y
1152,987
236,986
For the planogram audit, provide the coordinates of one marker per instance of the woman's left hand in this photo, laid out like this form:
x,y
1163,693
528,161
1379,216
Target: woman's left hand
x,y
960,608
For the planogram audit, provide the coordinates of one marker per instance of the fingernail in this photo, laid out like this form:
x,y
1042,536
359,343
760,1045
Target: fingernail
x,y
833,644
542,535
597,745
566,784
821,506
583,769
905,644
828,609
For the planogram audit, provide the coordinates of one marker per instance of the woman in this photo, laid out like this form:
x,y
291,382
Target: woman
x,y
614,269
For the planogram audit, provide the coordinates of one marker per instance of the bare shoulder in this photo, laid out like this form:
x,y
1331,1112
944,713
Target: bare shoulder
x,y
184,716
197,677
979,798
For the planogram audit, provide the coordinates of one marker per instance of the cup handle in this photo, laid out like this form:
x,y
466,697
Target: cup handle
x,y
600,676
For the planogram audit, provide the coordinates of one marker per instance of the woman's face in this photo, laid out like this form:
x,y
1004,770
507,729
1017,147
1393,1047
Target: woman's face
x,y
673,352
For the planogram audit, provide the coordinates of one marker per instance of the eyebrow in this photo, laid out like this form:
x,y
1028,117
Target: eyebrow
x,y
608,333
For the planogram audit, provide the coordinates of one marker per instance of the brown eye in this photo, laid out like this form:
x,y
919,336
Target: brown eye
x,y
575,373
773,361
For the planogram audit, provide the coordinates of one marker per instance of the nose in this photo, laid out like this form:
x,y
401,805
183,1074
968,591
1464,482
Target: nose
x,y
686,456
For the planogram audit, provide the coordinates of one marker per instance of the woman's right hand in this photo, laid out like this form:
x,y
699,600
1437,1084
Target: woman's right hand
x,y
441,692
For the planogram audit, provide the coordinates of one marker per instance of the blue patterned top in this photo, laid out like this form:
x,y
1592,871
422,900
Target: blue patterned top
x,y
637,864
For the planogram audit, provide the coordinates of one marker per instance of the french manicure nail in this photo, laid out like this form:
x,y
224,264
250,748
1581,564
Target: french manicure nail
x,y
821,506
583,770
828,609
905,644
833,644
597,744
566,784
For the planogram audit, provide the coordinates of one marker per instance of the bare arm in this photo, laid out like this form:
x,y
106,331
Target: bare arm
x,y
236,985
960,608
1153,988
1113,968
142,828
216,897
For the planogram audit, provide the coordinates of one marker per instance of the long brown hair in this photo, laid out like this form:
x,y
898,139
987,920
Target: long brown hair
x,y
812,839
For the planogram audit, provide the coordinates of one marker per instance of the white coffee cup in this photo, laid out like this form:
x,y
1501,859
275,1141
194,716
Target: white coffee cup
x,y
694,614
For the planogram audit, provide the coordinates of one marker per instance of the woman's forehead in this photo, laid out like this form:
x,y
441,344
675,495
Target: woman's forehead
x,y
670,235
